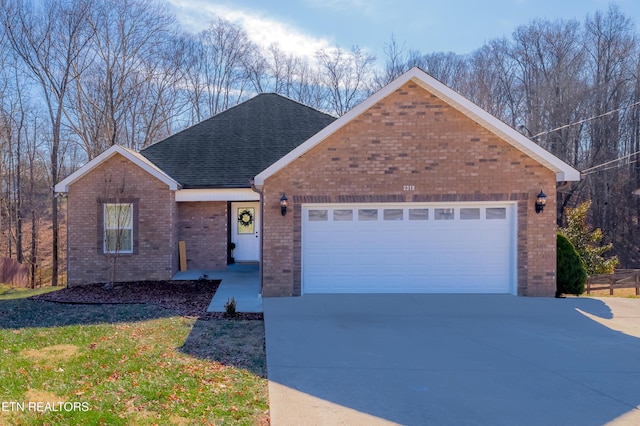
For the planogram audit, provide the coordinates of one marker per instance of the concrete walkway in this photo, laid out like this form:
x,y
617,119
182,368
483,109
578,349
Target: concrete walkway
x,y
452,360
240,281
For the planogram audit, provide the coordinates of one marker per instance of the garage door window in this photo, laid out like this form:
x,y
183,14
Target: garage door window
x,y
367,214
318,215
418,214
444,214
343,215
401,214
393,214
496,213
469,214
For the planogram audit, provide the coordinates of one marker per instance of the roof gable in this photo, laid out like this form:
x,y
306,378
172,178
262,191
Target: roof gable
x,y
230,148
130,155
563,171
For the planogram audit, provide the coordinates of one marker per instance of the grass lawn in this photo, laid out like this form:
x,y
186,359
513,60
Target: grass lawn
x,y
619,292
7,292
69,364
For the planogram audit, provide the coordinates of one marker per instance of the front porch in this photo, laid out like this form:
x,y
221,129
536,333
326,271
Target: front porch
x,y
240,281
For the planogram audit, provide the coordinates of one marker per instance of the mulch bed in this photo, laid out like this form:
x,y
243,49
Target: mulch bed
x,y
187,298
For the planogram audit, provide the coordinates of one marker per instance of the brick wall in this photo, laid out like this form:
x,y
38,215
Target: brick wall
x,y
203,227
411,138
156,251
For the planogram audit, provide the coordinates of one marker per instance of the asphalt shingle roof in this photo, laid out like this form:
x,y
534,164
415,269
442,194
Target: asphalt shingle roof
x,y
230,148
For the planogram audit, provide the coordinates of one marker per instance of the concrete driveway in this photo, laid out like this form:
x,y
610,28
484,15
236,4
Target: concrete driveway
x,y
452,360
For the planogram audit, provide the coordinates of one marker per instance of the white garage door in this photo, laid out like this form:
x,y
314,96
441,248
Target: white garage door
x,y
409,248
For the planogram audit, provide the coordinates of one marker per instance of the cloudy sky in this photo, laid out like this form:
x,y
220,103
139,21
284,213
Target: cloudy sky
x,y
460,26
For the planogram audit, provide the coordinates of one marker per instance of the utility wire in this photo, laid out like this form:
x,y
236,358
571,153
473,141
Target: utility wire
x,y
611,167
585,120
594,168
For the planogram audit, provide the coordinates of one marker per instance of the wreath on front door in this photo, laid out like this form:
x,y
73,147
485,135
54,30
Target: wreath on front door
x,y
245,218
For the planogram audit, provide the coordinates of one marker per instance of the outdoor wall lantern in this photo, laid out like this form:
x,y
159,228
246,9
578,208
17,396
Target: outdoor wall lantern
x,y
284,202
541,201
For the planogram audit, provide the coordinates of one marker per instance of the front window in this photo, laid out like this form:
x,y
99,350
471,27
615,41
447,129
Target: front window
x,y
118,228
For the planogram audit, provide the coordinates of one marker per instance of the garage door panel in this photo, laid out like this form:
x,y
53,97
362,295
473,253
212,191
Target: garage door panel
x,y
439,259
318,256
393,260
451,256
343,258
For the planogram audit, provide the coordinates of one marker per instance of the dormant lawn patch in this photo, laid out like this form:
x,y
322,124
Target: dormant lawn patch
x,y
67,364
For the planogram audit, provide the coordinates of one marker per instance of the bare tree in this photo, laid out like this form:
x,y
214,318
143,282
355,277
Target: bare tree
x,y
161,102
218,76
275,71
287,74
611,46
493,82
396,63
347,76
550,58
130,45
449,68
25,178
15,127
307,86
36,187
117,223
50,38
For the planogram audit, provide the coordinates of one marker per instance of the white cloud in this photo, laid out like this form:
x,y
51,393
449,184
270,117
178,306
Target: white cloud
x,y
196,15
365,7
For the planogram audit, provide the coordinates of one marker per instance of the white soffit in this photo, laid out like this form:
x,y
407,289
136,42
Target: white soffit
x,y
217,194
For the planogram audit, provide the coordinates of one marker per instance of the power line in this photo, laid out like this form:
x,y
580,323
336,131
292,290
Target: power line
x,y
594,168
612,167
585,120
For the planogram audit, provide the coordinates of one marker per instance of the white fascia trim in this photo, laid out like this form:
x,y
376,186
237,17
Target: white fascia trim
x,y
323,134
564,172
135,157
217,194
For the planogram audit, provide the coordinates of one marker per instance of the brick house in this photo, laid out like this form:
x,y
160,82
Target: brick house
x,y
414,190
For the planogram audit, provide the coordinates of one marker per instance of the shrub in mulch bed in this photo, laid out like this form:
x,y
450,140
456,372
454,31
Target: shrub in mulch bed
x,y
236,316
187,298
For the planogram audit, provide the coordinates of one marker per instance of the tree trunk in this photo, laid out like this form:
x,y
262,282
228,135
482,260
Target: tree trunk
x,y
19,252
34,248
54,209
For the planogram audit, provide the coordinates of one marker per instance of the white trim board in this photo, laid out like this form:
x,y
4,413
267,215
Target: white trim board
x,y
563,171
135,157
217,194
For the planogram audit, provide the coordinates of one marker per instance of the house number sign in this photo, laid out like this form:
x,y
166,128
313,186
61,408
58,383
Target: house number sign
x,y
408,187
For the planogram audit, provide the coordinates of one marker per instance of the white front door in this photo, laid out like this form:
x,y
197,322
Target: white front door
x,y
245,231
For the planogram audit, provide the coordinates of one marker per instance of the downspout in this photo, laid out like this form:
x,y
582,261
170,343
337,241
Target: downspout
x,y
62,195
259,191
